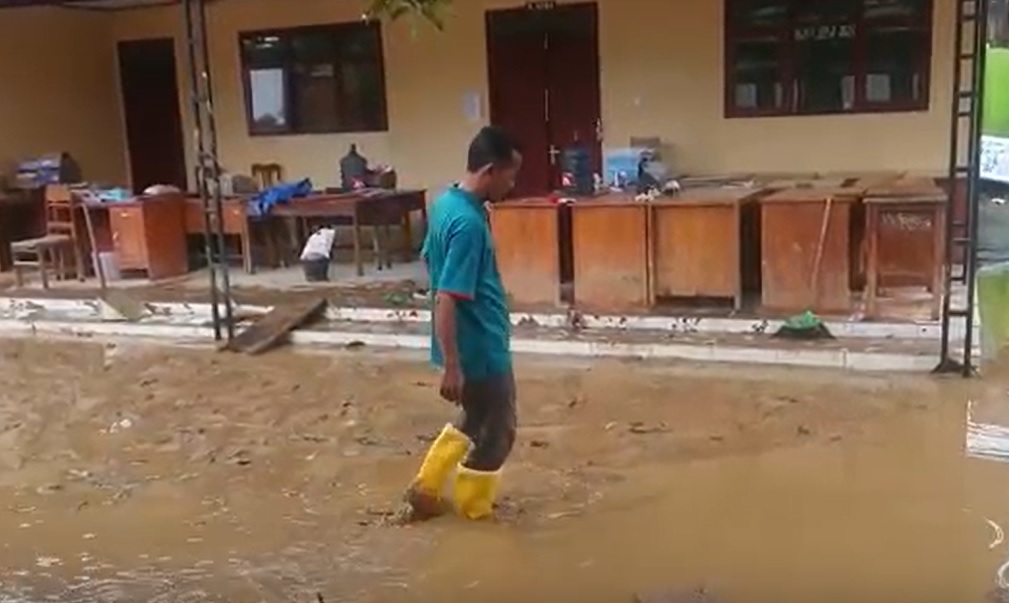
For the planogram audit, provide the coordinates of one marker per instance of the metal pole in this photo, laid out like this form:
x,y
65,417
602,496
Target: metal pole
x,y
200,170
952,175
974,178
211,150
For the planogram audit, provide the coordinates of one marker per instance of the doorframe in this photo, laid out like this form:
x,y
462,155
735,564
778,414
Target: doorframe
x,y
596,59
121,98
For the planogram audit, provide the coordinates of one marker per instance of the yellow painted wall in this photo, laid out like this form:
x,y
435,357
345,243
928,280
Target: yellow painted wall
x,y
59,90
661,76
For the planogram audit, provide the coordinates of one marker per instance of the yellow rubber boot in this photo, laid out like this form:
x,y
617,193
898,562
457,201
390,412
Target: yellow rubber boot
x,y
445,453
475,492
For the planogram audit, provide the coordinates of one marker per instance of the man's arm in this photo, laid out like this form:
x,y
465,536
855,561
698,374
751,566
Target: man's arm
x,y
444,329
458,281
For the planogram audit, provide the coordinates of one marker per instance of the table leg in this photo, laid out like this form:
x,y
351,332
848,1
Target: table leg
x,y
270,242
872,269
376,246
938,259
356,225
246,244
386,242
407,237
292,239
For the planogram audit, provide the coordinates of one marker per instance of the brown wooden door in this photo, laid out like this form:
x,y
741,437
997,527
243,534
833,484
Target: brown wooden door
x,y
543,68
147,77
573,82
518,78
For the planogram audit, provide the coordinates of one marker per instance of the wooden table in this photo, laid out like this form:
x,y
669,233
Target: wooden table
x,y
376,208
527,245
148,234
236,223
805,183
805,249
696,243
905,243
610,247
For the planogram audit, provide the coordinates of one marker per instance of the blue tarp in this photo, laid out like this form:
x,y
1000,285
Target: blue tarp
x,y
261,204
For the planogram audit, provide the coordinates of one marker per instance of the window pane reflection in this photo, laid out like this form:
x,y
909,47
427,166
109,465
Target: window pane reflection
x,y
757,78
269,105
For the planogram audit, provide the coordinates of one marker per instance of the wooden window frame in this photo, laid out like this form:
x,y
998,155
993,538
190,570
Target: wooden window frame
x,y
733,34
288,63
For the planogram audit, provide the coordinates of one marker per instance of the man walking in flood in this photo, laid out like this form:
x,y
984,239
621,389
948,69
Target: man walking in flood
x,y
470,337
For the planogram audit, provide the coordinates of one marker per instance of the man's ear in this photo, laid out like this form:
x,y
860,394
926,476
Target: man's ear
x,y
485,170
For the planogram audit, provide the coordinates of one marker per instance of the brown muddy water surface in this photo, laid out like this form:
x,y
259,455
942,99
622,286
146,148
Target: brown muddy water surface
x,y
136,473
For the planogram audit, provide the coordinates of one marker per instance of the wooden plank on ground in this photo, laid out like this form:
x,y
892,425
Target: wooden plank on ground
x,y
275,325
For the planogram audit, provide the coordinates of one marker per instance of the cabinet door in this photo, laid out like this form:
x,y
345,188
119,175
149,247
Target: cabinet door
x,y
234,218
128,236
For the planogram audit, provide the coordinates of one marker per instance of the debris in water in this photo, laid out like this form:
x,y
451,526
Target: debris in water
x,y
695,596
121,425
986,440
639,428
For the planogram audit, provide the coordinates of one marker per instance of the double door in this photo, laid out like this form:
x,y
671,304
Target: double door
x,y
543,64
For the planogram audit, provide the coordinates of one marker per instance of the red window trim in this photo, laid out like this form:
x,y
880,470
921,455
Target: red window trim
x,y
786,69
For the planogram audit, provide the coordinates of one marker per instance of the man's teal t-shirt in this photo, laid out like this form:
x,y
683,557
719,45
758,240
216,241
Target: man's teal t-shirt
x,y
459,253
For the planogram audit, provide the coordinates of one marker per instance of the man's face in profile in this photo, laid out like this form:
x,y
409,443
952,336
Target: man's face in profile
x,y
501,178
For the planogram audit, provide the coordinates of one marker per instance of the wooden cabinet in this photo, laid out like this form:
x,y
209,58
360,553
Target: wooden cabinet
x,y
149,234
235,216
905,243
610,246
528,250
697,243
806,249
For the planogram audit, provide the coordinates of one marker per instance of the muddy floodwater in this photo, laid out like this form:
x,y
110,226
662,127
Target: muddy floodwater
x,y
137,473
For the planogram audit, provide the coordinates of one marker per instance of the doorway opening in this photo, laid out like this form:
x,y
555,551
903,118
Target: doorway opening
x,y
150,93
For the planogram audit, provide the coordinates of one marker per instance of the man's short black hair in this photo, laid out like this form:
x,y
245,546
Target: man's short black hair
x,y
491,145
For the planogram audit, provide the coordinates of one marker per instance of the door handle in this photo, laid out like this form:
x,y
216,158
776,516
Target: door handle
x,y
553,152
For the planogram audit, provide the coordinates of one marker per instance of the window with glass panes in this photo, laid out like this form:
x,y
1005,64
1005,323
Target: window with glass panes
x,y
317,79
802,57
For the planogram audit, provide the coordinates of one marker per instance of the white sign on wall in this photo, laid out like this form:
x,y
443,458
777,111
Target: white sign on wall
x,y
995,158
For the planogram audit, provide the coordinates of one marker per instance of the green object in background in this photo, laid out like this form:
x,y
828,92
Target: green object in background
x,y
993,307
996,93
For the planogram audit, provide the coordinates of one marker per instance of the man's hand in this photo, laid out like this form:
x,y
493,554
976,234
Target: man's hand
x,y
452,384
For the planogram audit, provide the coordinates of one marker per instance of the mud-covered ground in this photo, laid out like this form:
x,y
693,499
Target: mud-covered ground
x,y
138,473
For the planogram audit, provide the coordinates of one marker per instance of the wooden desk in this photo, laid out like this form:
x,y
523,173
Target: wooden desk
x,y
905,241
805,249
149,234
696,243
527,245
610,248
805,183
236,224
377,208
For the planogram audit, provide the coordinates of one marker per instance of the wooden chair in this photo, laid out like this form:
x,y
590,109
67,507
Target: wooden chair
x,y
50,251
267,174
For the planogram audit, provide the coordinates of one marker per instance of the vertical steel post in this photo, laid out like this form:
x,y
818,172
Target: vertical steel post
x,y
974,177
207,169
